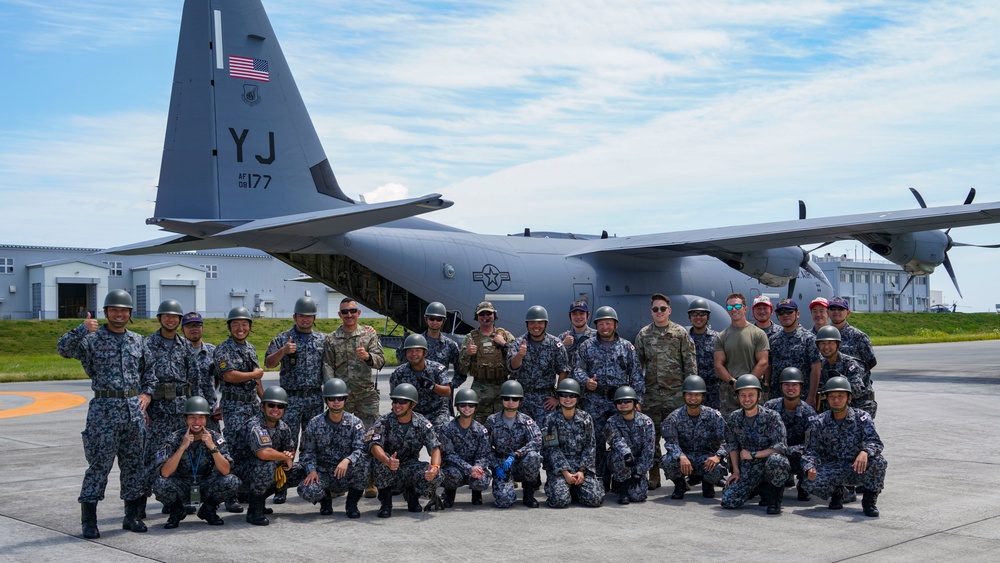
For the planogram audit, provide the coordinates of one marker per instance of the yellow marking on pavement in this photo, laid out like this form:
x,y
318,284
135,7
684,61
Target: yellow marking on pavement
x,y
42,402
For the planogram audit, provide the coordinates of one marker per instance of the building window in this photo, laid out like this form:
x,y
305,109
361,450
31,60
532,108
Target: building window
x,y
114,269
211,271
140,302
875,300
878,278
921,280
6,265
861,299
863,277
847,276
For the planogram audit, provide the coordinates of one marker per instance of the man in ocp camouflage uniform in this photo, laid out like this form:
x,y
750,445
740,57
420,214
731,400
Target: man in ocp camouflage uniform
x,y
630,435
695,442
843,448
569,451
579,332
484,358
699,314
794,346
537,360
352,353
755,439
666,353
465,447
516,443
122,376
795,414
430,378
333,454
606,364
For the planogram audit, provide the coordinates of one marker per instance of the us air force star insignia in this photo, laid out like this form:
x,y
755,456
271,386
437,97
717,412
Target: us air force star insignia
x,y
491,276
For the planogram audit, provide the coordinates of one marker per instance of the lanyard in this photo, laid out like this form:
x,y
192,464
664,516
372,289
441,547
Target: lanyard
x,y
195,464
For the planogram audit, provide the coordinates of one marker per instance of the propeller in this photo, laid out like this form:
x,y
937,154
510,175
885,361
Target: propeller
x,y
806,262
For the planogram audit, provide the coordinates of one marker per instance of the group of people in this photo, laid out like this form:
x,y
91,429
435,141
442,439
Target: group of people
x,y
588,406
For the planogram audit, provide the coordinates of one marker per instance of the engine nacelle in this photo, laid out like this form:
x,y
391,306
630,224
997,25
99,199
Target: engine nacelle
x,y
772,267
918,253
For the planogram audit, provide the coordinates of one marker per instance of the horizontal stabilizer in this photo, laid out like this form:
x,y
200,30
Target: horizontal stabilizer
x,y
176,243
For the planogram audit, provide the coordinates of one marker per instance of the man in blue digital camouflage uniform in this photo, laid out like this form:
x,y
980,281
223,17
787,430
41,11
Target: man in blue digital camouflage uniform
x,y
694,441
795,414
538,361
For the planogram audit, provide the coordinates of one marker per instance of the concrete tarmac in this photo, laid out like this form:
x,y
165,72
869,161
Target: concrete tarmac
x,y
937,415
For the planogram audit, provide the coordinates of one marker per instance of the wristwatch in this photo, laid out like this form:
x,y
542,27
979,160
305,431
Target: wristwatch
x,y
214,451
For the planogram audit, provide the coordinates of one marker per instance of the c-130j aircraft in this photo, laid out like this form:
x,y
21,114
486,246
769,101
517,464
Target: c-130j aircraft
x,y
243,167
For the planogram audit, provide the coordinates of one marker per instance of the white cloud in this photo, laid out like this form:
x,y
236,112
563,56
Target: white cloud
x,y
388,192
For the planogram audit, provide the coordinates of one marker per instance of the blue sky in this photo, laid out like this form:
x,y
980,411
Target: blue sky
x,y
630,117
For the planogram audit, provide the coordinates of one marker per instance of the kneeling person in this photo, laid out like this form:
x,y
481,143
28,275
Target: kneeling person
x,y
795,414
333,454
631,436
194,464
515,444
694,439
569,446
465,445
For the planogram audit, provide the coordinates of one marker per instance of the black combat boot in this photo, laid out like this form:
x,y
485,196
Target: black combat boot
x,y
774,502
131,521
141,503
850,495
435,503
868,504
449,498
233,505
255,512
385,497
837,498
654,477
326,505
622,490
351,506
477,497
207,512
88,518
280,497
764,490
412,500
529,494
177,513
679,488
707,489
803,495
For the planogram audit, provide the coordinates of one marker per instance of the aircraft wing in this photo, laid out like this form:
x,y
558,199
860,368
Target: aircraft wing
x,y
762,236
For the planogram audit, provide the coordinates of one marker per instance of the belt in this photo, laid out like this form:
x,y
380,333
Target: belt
x,y
115,393
241,397
302,392
170,392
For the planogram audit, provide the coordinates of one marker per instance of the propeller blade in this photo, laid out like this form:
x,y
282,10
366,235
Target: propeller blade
x,y
920,198
791,287
970,197
907,284
951,272
975,245
802,210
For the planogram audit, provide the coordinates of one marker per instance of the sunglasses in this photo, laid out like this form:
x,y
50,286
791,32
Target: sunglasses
x,y
736,307
836,308
659,309
400,401
435,319
513,399
623,402
565,395
331,399
275,406
485,313
698,314
349,311
783,312
467,405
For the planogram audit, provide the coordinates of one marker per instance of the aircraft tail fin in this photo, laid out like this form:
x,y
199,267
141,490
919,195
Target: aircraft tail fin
x,y
239,142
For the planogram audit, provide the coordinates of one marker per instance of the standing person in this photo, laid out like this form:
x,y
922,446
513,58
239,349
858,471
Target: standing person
x,y
762,310
333,454
429,378
853,342
819,311
630,435
515,444
794,347
695,442
465,447
569,452
667,355
741,348
484,358
844,448
177,378
795,414
394,442
606,364
440,348
121,373
704,337
755,438
354,354
537,360
193,464
579,332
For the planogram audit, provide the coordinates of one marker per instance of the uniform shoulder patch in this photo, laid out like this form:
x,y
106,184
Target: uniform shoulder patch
x,y
360,425
429,425
263,438
852,367
649,421
529,421
220,441
864,416
223,365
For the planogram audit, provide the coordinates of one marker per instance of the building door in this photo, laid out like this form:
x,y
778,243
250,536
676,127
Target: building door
x,y
73,300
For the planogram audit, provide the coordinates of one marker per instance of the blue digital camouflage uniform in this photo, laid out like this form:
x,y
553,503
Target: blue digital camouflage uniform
x,y
461,450
258,474
756,433
615,363
572,351
432,406
569,445
631,437
301,377
207,374
796,424
325,444
404,440
704,347
544,361
177,378
116,427
833,445
862,396
523,440
196,467
856,344
444,351
772,329
340,359
240,403
697,438
795,349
